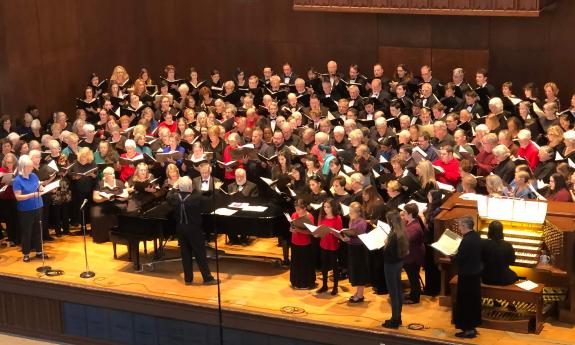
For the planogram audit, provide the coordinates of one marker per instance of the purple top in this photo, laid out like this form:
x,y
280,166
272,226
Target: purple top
x,y
416,246
360,227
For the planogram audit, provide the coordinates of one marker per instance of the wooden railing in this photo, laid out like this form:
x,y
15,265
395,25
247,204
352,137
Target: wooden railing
x,y
505,8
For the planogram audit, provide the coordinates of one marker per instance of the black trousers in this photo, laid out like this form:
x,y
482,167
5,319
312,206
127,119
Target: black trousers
x,y
193,244
412,271
60,215
432,274
377,270
9,214
30,230
329,262
467,309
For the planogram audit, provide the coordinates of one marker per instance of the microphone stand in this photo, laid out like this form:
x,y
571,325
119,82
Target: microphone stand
x,y
220,315
42,269
87,273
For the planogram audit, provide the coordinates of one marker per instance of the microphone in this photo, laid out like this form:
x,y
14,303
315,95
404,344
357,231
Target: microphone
x,y
84,204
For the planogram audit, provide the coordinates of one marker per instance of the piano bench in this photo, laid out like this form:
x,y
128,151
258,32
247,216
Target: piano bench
x,y
509,293
132,241
118,238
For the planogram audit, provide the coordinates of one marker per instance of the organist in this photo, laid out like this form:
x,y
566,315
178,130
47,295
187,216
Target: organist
x,y
497,255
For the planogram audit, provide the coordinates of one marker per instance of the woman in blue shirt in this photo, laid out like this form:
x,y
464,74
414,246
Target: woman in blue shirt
x,y
27,190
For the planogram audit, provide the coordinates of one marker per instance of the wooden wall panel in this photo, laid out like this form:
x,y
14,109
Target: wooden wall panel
x,y
443,61
414,58
48,60
33,314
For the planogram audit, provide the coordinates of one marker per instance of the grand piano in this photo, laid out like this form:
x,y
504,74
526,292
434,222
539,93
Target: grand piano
x,y
153,221
555,235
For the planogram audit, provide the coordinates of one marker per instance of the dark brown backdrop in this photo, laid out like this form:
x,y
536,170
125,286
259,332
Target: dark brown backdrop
x,y
48,48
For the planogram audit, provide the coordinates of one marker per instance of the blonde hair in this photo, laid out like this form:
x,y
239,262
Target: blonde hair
x,y
356,207
87,153
494,184
171,168
117,70
426,173
139,167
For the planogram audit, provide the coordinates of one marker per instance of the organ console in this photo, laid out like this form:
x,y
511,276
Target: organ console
x,y
532,228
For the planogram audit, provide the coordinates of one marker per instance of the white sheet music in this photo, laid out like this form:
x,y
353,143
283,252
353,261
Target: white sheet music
x,y
51,186
527,285
344,210
375,239
241,205
420,205
254,208
445,186
448,243
222,211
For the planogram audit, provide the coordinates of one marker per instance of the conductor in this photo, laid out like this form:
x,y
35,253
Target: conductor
x,y
188,208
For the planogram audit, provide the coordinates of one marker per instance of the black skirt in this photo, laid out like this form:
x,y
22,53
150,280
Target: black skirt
x,y
467,312
302,268
357,265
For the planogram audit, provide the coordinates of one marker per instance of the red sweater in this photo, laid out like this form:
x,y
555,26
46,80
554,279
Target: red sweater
x,y
561,195
486,162
230,173
329,241
451,174
126,171
531,155
298,238
173,127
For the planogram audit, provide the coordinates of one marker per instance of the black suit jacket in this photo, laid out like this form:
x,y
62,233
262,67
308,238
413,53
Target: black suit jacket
x,y
249,190
544,170
197,185
291,81
505,170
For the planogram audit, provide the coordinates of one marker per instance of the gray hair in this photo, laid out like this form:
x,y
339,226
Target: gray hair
x,y
108,171
501,150
497,102
24,162
467,221
130,143
185,184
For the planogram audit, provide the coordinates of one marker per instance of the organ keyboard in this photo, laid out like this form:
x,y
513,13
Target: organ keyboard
x,y
526,238
531,228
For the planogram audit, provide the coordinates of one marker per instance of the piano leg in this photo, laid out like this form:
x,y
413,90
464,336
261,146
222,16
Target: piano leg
x,y
135,253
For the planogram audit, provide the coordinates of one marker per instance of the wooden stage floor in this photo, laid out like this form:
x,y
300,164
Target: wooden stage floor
x,y
258,287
